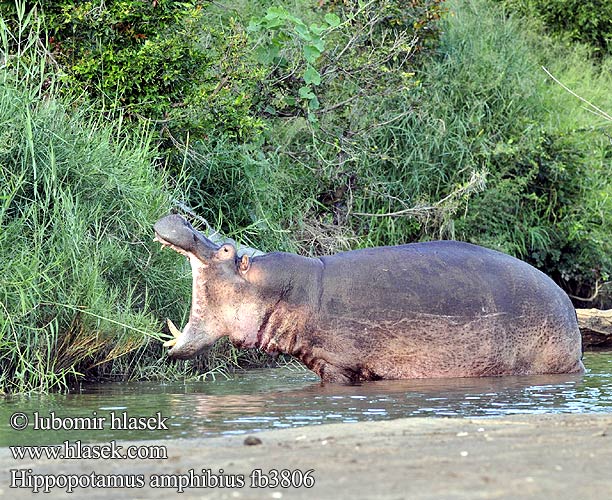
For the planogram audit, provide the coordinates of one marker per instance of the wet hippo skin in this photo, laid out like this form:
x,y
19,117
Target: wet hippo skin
x,y
435,309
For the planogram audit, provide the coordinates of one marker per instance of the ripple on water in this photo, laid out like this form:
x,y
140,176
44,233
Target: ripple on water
x,y
279,398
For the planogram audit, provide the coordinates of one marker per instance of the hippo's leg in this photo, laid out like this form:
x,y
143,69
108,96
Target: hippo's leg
x,y
335,374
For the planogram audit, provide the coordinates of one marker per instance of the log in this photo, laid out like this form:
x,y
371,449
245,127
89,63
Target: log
x,y
596,328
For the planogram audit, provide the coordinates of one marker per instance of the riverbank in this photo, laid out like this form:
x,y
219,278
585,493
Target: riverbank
x,y
532,456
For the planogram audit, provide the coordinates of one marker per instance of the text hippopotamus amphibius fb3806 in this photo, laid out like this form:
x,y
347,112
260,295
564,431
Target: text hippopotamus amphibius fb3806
x,y
435,309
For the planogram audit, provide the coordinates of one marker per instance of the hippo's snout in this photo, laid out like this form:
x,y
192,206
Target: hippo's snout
x,y
174,231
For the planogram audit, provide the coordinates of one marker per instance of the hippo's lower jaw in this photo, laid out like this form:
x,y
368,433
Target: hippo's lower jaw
x,y
185,344
180,347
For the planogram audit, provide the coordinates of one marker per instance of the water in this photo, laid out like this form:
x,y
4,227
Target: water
x,y
278,398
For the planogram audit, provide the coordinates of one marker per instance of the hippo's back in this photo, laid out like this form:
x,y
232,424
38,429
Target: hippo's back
x,y
446,278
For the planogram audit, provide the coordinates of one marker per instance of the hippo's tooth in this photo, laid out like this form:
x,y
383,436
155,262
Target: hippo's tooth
x,y
170,343
173,329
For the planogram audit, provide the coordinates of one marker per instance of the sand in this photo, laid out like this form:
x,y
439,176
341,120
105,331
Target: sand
x,y
530,456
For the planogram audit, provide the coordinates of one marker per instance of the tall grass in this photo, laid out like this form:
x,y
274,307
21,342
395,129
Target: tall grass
x,y
84,290
548,158
486,106
81,282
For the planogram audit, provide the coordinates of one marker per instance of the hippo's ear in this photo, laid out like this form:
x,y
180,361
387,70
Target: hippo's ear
x,y
245,264
226,252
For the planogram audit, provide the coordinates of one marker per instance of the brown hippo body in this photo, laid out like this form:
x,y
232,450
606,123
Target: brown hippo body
x,y
436,309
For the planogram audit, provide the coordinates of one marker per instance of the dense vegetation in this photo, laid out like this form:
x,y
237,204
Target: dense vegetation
x,y
308,126
585,21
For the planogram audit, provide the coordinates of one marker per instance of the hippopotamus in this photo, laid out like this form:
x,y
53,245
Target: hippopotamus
x,y
435,309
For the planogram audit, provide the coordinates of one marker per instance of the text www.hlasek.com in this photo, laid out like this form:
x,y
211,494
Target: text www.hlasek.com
x,y
24,478
79,451
27,478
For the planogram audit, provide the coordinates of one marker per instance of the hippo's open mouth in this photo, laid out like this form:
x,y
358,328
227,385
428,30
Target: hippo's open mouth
x,y
176,333
191,340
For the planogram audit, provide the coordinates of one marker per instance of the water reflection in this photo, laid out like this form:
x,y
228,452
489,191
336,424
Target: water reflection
x,y
277,398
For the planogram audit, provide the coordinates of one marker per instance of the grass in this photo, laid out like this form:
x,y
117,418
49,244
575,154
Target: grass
x,y
548,157
80,275
83,288
81,282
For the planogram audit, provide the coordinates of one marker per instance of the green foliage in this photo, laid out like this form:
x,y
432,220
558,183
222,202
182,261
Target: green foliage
x,y
81,283
585,21
80,277
153,60
476,144
279,26
356,49
538,190
326,78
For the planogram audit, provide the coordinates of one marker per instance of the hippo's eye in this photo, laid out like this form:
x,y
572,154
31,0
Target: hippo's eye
x,y
226,252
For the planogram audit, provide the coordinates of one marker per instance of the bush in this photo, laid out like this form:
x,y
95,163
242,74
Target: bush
x,y
333,76
157,61
479,144
224,102
584,21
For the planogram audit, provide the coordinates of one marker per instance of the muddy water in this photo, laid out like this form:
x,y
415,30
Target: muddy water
x,y
277,398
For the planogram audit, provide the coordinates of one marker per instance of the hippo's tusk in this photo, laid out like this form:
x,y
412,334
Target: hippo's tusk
x,y
173,329
170,343
175,332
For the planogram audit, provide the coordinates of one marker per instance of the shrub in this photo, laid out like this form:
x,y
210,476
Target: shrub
x,y
585,21
333,84
153,60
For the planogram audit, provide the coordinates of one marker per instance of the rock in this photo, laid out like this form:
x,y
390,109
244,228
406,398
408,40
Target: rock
x,y
252,441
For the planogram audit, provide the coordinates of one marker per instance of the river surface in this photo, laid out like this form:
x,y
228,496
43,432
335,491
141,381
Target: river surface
x,y
277,398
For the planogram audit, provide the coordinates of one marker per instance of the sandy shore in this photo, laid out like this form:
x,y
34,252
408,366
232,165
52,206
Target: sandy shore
x,y
535,456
